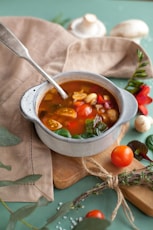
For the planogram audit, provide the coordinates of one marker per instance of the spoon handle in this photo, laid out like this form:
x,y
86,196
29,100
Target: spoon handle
x,y
16,46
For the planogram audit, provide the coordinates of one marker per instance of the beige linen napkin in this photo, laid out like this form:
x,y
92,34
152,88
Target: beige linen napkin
x,y
47,43
109,56
56,50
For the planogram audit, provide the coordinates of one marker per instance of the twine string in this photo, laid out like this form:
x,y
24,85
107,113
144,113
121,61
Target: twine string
x,y
95,168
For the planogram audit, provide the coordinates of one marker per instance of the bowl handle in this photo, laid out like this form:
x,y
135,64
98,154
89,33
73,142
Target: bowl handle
x,y
27,105
131,106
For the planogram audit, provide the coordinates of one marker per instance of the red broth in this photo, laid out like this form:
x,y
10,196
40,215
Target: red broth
x,y
89,110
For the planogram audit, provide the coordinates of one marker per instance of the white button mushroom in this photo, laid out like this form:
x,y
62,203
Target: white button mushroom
x,y
87,26
143,123
133,29
91,98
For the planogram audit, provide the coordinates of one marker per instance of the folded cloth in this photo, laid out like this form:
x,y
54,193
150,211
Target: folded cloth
x,y
55,50
47,43
109,56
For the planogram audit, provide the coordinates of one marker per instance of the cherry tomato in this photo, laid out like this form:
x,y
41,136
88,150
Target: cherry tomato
x,y
122,156
84,110
78,103
100,99
75,127
95,214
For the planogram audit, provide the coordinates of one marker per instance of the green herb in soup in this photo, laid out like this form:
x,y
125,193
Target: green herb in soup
x,y
88,111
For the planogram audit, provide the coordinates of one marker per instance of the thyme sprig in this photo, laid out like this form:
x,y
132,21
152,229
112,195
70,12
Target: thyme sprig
x,y
143,176
133,84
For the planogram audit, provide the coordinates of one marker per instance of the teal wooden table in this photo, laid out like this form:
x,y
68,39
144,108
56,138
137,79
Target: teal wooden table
x,y
111,13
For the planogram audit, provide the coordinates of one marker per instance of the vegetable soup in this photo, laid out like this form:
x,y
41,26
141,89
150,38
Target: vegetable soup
x,y
88,111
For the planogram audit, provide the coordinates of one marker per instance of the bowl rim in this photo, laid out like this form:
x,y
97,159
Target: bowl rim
x,y
73,140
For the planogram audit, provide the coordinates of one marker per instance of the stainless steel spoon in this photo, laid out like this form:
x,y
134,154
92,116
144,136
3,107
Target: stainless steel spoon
x,y
16,46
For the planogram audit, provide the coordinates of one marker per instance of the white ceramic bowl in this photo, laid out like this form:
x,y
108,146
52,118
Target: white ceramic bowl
x,y
78,147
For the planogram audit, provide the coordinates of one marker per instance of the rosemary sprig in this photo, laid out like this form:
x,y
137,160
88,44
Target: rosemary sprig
x,y
133,85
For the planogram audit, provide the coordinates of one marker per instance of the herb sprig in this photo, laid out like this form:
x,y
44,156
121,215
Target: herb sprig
x,y
60,20
137,87
133,85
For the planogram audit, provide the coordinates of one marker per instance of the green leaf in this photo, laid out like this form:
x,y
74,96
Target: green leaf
x,y
5,183
28,179
42,202
11,225
133,86
7,138
77,136
149,142
140,71
65,21
95,127
92,223
59,20
143,64
63,132
25,211
25,180
7,167
89,126
140,55
141,75
65,208
20,214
